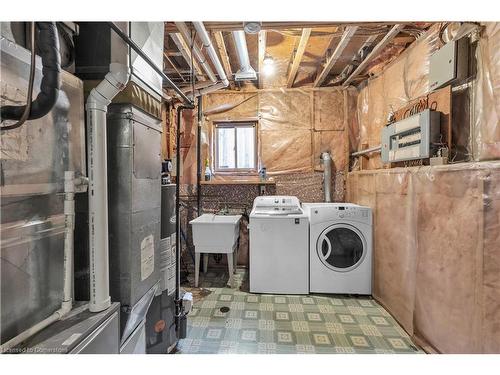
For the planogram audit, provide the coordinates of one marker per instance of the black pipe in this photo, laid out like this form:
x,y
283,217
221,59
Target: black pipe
x,y
198,156
177,215
48,42
138,50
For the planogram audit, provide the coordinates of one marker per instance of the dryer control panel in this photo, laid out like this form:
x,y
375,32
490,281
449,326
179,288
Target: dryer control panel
x,y
319,212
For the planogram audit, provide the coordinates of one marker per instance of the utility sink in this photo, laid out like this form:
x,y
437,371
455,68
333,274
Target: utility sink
x,y
215,233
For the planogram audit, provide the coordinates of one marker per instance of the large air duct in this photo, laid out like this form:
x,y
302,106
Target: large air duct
x,y
48,44
246,72
183,29
207,44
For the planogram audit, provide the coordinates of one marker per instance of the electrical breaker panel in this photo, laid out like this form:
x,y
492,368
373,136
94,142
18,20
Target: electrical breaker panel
x,y
412,138
449,64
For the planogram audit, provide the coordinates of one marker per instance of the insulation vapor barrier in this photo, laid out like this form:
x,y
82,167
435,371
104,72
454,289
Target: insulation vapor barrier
x,y
436,258
294,126
406,79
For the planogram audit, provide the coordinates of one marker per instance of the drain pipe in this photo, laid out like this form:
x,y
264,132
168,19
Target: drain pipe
x,y
67,302
97,106
326,159
179,313
198,156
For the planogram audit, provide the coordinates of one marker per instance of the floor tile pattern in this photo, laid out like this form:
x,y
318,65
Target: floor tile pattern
x,y
264,323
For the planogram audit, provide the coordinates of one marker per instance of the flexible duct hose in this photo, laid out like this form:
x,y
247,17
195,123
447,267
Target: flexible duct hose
x,y
48,42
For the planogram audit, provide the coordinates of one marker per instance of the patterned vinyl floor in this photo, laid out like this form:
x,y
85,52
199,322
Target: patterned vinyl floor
x,y
227,320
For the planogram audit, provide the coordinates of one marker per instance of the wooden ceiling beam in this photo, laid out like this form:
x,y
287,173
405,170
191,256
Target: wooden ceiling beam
x,y
221,46
232,26
173,66
375,52
262,55
344,41
185,50
304,38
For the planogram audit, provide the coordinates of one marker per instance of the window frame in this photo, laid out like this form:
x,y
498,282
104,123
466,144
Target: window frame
x,y
232,124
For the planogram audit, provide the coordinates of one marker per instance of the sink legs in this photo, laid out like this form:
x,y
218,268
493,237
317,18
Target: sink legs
x,y
231,265
196,268
205,262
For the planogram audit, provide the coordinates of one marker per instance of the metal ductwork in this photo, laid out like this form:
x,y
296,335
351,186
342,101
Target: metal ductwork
x,y
246,72
326,160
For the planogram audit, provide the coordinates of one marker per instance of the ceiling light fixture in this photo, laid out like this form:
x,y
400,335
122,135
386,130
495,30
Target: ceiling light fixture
x,y
268,66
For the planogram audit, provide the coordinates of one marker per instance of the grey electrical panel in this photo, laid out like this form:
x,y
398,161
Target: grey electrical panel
x,y
449,63
412,138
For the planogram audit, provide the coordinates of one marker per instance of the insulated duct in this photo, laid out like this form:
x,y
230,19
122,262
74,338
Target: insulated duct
x,y
48,43
207,44
183,29
246,72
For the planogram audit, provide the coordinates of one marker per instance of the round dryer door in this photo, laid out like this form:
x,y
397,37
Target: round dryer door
x,y
341,247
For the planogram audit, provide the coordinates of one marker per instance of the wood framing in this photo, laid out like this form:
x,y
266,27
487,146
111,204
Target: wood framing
x,y
173,66
375,52
304,38
221,46
185,51
344,41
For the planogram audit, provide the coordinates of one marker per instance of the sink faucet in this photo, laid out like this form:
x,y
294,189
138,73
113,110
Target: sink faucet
x,y
224,211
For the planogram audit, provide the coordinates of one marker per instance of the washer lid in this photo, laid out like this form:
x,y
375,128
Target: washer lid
x,y
341,247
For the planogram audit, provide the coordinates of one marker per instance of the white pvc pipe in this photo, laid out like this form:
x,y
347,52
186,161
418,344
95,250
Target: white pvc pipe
x,y
207,44
69,220
67,301
242,51
97,105
183,29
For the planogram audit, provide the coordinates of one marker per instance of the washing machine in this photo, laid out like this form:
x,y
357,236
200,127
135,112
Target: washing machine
x,y
340,248
279,246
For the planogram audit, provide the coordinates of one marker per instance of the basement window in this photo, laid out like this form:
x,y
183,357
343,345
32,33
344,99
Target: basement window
x,y
235,147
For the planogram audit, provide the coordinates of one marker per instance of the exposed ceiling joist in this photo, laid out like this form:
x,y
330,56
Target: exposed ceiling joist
x,y
231,26
262,54
221,46
173,66
344,41
304,38
185,51
375,52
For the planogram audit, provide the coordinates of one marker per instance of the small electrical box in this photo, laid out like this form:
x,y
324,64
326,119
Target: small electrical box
x,y
412,138
449,64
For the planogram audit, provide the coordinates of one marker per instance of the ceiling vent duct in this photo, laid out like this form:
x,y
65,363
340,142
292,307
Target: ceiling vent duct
x,y
246,72
252,27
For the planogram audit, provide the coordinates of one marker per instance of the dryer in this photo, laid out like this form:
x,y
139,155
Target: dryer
x,y
340,248
279,246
